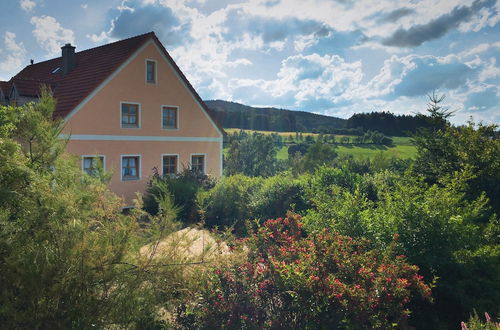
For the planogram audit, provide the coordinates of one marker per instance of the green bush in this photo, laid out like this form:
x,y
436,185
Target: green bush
x,y
183,188
228,203
290,281
276,196
437,227
69,257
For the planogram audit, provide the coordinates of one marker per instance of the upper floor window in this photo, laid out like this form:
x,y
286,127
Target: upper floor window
x,y
130,167
198,164
130,115
169,117
151,72
92,164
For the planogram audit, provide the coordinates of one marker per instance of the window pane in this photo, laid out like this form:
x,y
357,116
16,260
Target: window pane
x,y
150,75
130,167
87,163
197,164
130,115
169,117
169,165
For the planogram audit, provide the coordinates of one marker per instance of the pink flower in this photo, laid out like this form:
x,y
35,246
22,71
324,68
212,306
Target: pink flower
x,y
487,316
463,325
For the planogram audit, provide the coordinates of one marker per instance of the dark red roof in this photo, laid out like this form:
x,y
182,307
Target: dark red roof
x,y
92,67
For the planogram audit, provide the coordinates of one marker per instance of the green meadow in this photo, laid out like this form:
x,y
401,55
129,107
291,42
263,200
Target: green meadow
x,y
402,146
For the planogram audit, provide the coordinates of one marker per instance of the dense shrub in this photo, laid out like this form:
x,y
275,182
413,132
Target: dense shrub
x,y
228,203
251,154
438,229
238,198
68,255
183,187
276,196
476,323
324,280
300,148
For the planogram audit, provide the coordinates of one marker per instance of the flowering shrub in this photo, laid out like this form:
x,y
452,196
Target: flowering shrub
x,y
323,280
475,323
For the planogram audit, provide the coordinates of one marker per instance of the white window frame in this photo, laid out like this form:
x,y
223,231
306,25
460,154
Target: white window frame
x,y
82,157
146,71
204,161
121,167
177,165
161,117
139,114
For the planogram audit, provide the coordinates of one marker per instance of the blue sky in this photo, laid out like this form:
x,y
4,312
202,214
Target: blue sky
x,y
334,57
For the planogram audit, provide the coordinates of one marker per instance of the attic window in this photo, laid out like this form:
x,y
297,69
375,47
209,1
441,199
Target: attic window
x,y
151,72
56,70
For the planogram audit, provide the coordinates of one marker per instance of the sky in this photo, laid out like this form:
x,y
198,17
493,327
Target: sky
x,y
332,57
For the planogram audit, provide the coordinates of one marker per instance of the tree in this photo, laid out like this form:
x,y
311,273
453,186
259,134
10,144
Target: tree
x,y
67,253
319,154
445,151
253,155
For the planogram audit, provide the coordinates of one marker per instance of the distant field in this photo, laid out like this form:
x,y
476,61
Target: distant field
x,y
403,147
285,134
360,152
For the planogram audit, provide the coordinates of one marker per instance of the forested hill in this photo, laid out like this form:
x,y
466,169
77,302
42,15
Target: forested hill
x,y
235,115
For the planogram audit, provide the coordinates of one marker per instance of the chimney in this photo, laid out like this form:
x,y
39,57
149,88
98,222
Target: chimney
x,y
68,58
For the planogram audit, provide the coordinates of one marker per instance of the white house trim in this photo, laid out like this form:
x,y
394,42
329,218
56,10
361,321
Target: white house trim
x,y
94,156
139,114
178,117
204,161
91,137
121,167
177,165
146,71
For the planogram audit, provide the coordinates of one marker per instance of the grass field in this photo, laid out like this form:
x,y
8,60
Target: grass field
x,y
360,152
403,147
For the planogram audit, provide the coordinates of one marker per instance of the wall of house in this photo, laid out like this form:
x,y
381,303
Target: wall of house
x,y
95,128
150,158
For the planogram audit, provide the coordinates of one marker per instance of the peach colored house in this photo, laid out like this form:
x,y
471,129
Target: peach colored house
x,y
128,105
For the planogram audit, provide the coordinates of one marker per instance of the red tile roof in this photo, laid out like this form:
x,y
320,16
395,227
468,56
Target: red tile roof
x,y
92,67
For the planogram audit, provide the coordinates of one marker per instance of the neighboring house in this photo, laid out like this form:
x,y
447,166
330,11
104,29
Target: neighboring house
x,y
128,105
4,92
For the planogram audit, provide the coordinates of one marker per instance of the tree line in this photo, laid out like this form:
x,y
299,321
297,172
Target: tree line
x,y
235,115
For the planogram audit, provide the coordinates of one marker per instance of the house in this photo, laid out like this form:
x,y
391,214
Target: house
x,y
128,105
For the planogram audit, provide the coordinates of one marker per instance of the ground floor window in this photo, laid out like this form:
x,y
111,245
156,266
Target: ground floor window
x,y
169,164
130,167
91,164
198,163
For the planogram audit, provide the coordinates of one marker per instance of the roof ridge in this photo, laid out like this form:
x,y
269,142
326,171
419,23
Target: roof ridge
x,y
117,41
93,48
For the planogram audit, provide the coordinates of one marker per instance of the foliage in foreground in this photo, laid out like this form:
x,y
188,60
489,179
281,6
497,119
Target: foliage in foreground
x,y
475,323
68,256
323,280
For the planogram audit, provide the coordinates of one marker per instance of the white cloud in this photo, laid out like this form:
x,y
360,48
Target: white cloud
x,y
27,5
50,35
312,82
13,54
